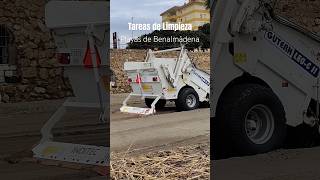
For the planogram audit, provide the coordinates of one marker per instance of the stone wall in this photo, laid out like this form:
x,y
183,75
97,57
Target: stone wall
x,y
119,56
38,73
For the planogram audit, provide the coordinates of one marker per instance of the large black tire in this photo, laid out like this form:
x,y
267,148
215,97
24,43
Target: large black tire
x,y
160,104
188,99
254,118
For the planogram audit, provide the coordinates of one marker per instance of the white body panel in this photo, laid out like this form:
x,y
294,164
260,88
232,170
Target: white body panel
x,y
276,54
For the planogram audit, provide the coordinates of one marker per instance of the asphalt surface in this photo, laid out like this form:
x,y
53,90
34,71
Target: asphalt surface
x,y
166,128
285,164
20,125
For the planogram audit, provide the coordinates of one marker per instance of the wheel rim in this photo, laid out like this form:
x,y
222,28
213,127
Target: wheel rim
x,y
191,100
259,124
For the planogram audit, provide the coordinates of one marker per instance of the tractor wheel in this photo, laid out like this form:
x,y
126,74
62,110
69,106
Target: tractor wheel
x,y
188,99
255,118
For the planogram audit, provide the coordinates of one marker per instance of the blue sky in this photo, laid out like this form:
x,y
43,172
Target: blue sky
x,y
142,11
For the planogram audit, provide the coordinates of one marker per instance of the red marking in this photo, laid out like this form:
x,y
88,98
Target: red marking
x,y
138,79
63,58
285,84
87,61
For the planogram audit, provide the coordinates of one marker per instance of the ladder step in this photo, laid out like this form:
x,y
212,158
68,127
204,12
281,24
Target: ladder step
x,y
137,110
74,153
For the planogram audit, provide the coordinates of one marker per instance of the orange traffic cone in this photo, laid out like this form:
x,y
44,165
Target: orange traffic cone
x,y
88,58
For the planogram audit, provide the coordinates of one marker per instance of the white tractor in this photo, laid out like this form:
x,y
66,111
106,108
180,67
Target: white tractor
x,y
158,80
265,77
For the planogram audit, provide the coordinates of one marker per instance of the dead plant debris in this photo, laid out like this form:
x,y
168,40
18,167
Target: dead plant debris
x,y
189,162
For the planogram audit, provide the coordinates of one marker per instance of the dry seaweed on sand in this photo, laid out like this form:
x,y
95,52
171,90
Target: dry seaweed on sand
x,y
190,162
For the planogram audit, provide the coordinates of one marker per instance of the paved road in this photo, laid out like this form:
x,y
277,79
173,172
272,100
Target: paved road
x,y
294,164
20,126
165,128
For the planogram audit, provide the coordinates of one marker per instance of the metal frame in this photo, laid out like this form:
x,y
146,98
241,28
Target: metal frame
x,y
46,130
47,149
143,111
76,24
170,71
